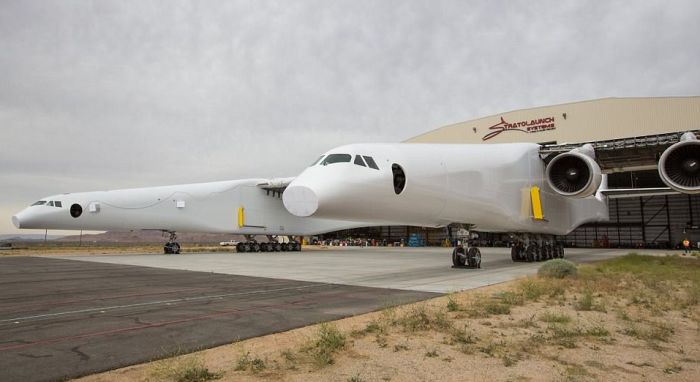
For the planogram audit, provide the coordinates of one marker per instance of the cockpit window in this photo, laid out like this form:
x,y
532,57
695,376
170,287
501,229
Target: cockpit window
x,y
359,161
336,158
316,161
370,162
50,203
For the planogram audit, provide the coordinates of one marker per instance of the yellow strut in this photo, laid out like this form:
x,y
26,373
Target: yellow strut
x,y
536,203
241,217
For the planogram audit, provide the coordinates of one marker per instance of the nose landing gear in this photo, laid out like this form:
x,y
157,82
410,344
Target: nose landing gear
x,y
466,257
171,247
463,255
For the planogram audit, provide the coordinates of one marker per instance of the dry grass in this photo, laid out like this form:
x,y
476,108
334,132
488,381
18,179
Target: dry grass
x,y
189,368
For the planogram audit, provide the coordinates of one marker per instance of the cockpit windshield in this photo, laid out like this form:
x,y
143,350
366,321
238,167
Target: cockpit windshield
x,y
52,203
370,162
336,158
316,161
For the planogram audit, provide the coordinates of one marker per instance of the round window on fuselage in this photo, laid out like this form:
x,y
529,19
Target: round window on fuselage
x,y
76,210
399,178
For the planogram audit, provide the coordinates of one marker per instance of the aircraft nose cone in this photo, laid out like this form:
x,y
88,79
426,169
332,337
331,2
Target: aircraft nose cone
x,y
16,222
300,201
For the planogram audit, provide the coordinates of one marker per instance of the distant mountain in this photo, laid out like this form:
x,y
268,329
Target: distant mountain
x,y
26,237
150,237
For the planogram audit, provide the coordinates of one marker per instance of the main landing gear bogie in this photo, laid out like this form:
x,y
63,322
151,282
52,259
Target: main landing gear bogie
x,y
271,246
525,249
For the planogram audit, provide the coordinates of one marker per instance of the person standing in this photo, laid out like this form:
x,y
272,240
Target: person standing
x,y
686,245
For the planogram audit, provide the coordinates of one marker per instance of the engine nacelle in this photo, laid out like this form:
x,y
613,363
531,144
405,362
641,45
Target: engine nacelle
x,y
575,174
679,165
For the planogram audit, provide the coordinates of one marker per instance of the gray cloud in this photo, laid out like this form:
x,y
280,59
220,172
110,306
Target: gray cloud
x,y
110,94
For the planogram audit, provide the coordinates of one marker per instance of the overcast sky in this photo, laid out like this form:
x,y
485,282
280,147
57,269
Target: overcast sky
x,y
112,94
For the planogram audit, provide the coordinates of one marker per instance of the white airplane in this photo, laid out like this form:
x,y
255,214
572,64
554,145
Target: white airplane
x,y
531,192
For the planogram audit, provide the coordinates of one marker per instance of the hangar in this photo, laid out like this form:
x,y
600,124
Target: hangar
x,y
661,221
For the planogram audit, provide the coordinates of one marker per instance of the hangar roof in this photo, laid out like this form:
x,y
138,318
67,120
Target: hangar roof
x,y
586,121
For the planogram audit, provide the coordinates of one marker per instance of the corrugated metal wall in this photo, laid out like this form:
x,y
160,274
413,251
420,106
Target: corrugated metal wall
x,y
656,221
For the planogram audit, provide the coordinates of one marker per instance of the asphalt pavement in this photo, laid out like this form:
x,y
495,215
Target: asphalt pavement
x,y
63,318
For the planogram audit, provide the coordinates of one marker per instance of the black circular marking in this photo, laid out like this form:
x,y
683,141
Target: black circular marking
x,y
76,210
399,178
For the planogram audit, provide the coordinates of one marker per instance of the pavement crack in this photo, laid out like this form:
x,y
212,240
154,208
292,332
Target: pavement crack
x,y
34,356
83,356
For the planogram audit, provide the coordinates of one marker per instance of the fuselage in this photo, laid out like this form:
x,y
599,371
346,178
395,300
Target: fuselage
x,y
201,207
487,186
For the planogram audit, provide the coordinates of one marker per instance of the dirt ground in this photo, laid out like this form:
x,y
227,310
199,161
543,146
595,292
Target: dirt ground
x,y
623,320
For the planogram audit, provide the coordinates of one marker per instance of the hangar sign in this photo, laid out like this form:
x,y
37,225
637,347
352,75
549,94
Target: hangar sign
x,y
529,126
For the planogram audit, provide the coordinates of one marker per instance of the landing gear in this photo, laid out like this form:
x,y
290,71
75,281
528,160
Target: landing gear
x,y
463,256
171,247
273,245
531,248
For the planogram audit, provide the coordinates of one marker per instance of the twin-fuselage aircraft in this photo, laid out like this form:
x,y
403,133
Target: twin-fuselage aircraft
x,y
510,188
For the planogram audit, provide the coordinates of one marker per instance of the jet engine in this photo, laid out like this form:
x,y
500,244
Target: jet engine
x,y
679,165
575,173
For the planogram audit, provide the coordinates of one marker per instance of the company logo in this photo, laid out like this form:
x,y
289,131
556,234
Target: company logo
x,y
531,126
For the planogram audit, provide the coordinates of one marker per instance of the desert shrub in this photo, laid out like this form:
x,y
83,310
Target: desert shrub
x,y
560,318
586,301
183,369
510,298
557,268
416,320
452,305
328,340
532,289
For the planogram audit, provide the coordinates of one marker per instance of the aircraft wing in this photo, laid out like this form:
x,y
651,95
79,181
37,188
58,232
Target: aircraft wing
x,y
276,186
619,155
620,193
579,169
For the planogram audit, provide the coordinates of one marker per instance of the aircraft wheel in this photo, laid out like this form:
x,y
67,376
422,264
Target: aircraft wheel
x,y
514,255
176,248
264,247
530,252
285,247
457,260
474,257
255,247
561,251
276,247
240,247
541,253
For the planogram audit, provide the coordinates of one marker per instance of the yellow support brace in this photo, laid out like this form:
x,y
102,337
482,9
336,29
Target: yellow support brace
x,y
241,217
536,203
